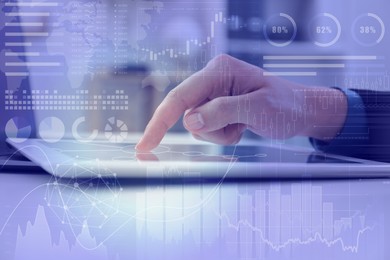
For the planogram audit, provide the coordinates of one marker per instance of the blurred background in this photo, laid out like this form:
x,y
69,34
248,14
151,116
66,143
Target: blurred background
x,y
98,69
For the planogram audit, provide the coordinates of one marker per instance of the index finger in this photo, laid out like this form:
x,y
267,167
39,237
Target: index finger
x,y
190,93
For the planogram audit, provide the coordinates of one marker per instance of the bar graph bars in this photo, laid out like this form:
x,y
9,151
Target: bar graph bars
x,y
190,44
258,222
278,220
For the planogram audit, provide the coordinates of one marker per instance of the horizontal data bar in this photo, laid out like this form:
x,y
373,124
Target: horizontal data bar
x,y
16,74
29,54
28,14
318,57
290,73
32,64
279,65
25,24
12,44
32,4
27,34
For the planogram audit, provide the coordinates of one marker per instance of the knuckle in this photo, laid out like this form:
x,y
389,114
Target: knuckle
x,y
222,57
172,94
158,113
219,60
164,126
175,97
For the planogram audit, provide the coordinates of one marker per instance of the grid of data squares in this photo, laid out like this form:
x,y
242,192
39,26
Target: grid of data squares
x,y
53,100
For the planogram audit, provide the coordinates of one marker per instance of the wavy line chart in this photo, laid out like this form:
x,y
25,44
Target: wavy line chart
x,y
92,215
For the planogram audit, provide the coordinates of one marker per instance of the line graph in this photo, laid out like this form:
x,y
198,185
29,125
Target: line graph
x,y
207,40
92,213
291,230
236,218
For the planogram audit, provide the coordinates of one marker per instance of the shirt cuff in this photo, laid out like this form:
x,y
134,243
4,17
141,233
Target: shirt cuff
x,y
354,132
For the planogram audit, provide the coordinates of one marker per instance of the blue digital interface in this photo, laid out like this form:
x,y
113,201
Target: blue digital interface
x,y
302,73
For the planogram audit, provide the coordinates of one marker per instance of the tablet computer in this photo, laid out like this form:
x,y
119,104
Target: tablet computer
x,y
99,159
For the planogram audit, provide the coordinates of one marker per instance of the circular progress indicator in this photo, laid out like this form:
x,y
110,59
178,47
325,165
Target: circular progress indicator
x,y
325,30
368,29
18,127
280,30
115,130
76,134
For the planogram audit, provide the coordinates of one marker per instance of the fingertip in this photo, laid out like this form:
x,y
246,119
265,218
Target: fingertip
x,y
143,146
138,147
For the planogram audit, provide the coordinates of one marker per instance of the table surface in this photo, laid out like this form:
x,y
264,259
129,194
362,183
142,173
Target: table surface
x,y
45,218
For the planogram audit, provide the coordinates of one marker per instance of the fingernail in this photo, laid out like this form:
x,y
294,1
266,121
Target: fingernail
x,y
194,121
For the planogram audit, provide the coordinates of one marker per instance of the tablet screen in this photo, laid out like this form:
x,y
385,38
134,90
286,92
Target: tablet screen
x,y
191,153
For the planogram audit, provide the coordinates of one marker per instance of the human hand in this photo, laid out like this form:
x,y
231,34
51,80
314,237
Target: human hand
x,y
228,96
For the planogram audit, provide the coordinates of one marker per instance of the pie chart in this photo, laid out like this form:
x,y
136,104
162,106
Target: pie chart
x,y
51,129
115,130
18,127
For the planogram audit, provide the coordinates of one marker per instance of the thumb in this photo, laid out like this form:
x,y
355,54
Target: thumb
x,y
215,114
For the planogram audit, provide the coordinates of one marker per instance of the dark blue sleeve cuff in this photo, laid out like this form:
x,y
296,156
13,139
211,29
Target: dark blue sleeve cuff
x,y
354,132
